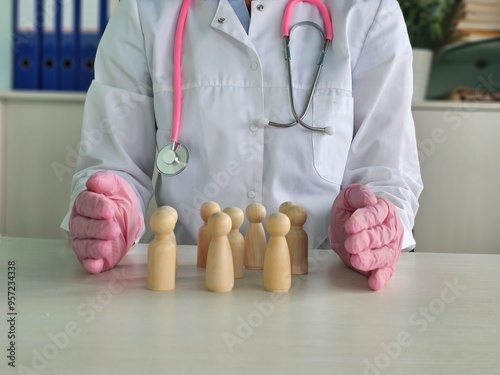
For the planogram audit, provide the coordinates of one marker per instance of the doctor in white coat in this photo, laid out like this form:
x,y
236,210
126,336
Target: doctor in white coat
x,y
360,186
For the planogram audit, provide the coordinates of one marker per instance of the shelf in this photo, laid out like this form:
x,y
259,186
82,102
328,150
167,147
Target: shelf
x,y
43,96
80,98
443,105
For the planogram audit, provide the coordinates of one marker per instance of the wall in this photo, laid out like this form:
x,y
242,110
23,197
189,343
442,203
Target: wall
x,y
35,178
40,134
3,166
5,44
460,160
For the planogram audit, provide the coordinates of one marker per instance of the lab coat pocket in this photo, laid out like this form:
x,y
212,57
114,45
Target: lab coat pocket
x,y
330,151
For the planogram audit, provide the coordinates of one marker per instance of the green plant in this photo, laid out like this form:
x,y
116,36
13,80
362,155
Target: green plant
x,y
428,21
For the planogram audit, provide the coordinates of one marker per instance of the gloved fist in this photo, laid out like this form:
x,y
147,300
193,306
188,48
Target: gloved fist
x,y
104,222
367,234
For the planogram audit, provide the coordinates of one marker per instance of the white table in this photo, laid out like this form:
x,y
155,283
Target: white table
x,y
70,322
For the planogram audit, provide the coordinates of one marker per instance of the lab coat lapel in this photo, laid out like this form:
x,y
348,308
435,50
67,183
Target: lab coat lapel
x,y
226,21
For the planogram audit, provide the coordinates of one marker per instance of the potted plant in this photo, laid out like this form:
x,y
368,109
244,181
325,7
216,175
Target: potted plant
x,y
428,23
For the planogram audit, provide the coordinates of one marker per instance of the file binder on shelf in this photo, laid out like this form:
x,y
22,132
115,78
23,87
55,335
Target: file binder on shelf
x,y
55,42
67,69
27,27
91,24
50,45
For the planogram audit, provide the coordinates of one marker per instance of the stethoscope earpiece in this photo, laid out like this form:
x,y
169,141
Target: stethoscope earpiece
x,y
329,130
262,122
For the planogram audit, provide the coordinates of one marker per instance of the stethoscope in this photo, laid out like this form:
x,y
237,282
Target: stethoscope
x,y
173,158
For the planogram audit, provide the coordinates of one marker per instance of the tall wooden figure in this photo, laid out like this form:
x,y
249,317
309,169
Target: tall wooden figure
x,y
162,251
276,276
206,210
236,240
219,276
297,240
255,237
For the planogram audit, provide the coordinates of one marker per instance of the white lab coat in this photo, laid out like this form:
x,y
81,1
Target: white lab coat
x,y
230,80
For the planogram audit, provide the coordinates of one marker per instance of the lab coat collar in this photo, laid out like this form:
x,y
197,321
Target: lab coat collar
x,y
226,21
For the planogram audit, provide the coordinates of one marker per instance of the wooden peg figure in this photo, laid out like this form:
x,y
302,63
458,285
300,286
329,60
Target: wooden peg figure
x,y
285,206
206,210
297,240
162,251
255,237
219,276
172,212
236,240
276,276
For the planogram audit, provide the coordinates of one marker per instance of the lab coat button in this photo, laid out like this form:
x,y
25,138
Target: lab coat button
x,y
251,194
221,20
254,65
254,128
260,7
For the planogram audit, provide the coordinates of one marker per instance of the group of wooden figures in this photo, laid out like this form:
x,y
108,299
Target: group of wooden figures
x,y
225,253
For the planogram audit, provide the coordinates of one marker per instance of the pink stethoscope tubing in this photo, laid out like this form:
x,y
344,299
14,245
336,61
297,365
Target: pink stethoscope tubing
x,y
173,158
327,22
179,33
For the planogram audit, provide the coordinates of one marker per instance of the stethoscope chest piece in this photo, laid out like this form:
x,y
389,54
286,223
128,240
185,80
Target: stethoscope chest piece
x,y
172,159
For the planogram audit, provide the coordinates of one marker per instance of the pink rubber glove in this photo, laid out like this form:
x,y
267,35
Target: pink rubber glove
x,y
367,234
105,222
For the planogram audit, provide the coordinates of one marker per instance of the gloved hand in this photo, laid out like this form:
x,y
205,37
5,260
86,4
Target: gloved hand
x,y
367,234
104,222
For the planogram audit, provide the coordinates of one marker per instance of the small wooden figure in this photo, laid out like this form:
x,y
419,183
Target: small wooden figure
x,y
276,276
255,237
162,251
219,276
284,206
236,240
206,210
297,240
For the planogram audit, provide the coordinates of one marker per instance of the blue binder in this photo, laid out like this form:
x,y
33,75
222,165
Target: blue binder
x,y
27,29
68,46
90,25
50,45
